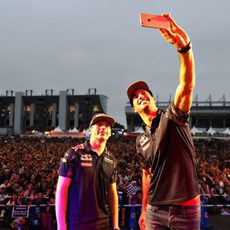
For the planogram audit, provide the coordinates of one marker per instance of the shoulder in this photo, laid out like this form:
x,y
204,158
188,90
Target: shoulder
x,y
177,115
140,137
74,151
141,134
109,157
78,147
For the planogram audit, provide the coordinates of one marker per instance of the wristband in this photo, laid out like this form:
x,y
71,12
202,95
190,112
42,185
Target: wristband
x,y
116,229
186,48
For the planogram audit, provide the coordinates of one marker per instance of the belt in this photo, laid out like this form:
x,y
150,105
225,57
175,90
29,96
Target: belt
x,y
171,207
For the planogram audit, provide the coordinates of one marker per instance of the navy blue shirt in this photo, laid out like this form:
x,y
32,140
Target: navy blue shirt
x,y
88,192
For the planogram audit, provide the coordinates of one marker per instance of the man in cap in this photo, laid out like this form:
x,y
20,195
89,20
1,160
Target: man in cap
x,y
169,180
87,182
2,193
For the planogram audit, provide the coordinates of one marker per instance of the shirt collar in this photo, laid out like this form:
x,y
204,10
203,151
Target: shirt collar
x,y
88,148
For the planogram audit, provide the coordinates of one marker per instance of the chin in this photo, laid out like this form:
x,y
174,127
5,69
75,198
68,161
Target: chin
x,y
144,107
103,137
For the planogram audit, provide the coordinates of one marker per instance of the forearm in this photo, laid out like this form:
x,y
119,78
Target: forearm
x,y
187,71
179,38
113,205
61,199
184,92
145,189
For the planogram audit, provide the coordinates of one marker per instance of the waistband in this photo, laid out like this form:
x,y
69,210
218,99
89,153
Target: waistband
x,y
172,206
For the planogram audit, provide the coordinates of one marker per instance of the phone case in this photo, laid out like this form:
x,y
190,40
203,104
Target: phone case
x,y
154,21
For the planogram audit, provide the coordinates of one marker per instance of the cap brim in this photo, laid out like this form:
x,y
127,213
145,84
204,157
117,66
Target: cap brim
x,y
135,86
106,118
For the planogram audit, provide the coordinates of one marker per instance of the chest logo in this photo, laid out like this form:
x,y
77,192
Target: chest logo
x,y
63,160
108,160
86,164
143,140
86,157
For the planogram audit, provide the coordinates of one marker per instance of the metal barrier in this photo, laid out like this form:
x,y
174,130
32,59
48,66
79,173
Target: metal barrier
x,y
43,215
28,216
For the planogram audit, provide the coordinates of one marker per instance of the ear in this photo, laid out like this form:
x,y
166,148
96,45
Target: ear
x,y
134,110
110,131
90,130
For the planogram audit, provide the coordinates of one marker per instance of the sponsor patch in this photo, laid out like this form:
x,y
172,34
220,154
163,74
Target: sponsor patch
x,y
63,160
86,157
143,140
81,146
86,164
108,160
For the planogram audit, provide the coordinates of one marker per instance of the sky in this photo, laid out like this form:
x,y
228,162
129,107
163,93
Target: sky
x,y
82,44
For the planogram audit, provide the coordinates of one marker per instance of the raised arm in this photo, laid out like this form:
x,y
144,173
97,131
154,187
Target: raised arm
x,y
184,92
61,202
179,38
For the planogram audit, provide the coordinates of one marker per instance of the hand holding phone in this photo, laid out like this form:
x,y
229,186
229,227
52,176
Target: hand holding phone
x,y
154,21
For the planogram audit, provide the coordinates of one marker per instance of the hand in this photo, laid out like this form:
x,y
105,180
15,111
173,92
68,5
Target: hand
x,y
175,35
142,221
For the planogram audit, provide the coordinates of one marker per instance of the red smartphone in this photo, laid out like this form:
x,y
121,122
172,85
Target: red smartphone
x,y
154,21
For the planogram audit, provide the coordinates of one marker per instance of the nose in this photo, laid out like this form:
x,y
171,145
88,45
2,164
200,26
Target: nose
x,y
103,127
140,96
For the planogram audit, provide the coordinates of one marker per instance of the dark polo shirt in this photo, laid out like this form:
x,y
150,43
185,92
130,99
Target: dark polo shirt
x,y
167,148
88,192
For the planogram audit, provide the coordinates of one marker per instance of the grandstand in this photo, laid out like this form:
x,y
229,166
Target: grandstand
x,y
23,111
204,114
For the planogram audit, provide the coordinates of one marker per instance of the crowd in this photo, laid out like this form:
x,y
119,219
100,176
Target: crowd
x,y
28,176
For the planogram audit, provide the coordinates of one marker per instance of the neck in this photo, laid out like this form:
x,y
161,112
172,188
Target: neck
x,y
147,117
98,146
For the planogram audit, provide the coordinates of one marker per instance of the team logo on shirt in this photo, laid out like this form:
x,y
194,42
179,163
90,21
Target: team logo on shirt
x,y
143,140
86,160
77,147
108,160
86,157
63,160
86,164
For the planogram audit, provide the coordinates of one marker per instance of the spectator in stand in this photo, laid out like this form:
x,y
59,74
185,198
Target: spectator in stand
x,y
48,216
2,193
13,200
9,207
